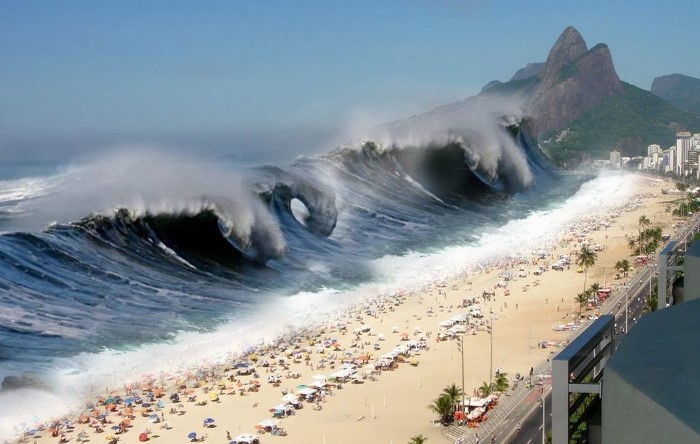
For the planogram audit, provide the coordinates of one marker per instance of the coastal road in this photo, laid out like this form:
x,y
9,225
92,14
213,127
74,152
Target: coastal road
x,y
531,422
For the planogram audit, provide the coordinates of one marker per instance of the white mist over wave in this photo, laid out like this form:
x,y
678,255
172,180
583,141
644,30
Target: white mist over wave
x,y
145,180
477,125
76,378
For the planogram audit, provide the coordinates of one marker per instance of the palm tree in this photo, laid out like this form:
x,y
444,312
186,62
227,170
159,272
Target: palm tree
x,y
681,187
651,302
485,389
595,288
454,392
418,439
582,299
443,406
643,222
623,265
502,383
586,258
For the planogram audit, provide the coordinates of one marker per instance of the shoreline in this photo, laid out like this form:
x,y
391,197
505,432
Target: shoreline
x,y
389,406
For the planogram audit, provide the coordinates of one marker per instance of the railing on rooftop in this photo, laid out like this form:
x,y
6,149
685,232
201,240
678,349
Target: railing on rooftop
x,y
579,369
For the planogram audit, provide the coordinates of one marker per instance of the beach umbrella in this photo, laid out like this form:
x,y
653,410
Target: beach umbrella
x,y
143,437
192,435
109,437
209,421
115,427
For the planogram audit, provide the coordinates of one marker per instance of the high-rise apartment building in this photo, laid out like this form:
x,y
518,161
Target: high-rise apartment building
x,y
682,148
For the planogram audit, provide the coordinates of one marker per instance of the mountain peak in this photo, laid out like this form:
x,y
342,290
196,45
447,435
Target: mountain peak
x,y
569,47
575,79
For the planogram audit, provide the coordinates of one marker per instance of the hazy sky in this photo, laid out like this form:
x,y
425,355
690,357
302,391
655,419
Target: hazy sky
x,y
254,77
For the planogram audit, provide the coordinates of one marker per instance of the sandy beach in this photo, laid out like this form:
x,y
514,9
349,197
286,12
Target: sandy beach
x,y
382,403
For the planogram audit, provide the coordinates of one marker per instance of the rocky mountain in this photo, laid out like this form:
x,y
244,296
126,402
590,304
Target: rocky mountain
x,y
682,91
574,80
574,103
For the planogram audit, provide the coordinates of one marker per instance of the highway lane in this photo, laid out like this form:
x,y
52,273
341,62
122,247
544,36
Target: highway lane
x,y
531,424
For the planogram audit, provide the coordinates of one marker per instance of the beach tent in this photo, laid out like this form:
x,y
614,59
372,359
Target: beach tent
x,y
268,424
476,402
344,373
290,397
306,391
246,438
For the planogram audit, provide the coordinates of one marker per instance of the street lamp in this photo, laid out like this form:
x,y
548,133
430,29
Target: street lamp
x,y
489,328
543,417
626,307
461,349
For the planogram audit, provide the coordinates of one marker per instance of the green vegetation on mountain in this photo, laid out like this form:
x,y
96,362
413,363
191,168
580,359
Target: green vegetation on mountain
x,y
682,91
627,122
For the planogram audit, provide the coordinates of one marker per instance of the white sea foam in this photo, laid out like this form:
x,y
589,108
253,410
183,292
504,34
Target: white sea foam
x,y
519,235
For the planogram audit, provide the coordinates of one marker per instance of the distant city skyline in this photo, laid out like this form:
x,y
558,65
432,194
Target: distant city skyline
x,y
276,79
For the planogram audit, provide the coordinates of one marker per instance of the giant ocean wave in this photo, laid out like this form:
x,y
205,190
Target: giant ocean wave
x,y
139,247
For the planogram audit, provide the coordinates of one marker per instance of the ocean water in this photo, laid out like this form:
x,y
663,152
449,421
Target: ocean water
x,y
140,260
